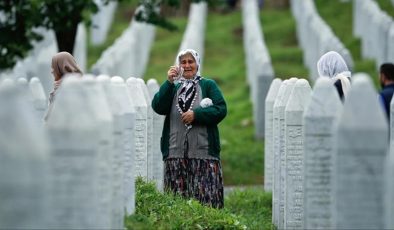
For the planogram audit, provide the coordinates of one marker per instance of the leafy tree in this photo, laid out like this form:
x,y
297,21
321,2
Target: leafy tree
x,y
18,18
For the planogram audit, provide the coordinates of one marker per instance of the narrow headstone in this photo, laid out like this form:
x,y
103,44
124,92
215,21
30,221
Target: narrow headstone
x,y
126,104
24,156
140,134
320,119
158,120
23,85
362,139
149,141
268,144
275,147
73,129
298,100
117,152
98,103
39,99
280,150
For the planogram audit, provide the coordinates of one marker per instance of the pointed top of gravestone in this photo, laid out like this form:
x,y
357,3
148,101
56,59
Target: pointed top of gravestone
x,y
122,95
70,107
153,87
324,100
273,90
281,91
287,91
136,93
117,80
362,106
38,93
103,78
6,83
299,97
152,81
22,81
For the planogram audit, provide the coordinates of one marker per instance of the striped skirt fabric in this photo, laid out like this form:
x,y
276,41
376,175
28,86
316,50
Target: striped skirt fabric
x,y
195,178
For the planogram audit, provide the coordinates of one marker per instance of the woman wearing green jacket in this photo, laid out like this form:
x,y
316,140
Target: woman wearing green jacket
x,y
190,143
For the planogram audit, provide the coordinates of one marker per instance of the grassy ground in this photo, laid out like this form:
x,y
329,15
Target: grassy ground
x,y
154,210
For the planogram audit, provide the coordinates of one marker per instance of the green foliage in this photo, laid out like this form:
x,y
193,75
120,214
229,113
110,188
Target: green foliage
x,y
252,204
17,33
280,37
155,210
387,6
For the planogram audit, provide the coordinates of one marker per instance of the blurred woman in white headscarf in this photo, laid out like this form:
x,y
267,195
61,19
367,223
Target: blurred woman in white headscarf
x,y
190,143
333,66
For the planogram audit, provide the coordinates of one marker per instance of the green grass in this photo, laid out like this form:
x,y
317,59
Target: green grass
x,y
280,37
253,205
249,209
387,6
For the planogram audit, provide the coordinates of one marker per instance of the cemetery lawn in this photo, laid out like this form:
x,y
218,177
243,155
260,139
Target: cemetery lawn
x,y
249,209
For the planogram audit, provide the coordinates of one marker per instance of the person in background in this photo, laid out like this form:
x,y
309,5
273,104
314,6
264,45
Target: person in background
x,y
333,66
193,107
62,64
386,78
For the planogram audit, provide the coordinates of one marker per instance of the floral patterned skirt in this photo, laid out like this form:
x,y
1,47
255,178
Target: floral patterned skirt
x,y
195,178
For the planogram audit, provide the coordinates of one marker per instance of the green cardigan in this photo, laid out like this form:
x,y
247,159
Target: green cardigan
x,y
209,116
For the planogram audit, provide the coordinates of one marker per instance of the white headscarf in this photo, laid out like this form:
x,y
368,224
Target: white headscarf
x,y
333,66
195,56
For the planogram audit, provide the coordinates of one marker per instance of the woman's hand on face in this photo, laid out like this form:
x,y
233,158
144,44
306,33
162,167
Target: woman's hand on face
x,y
172,73
188,117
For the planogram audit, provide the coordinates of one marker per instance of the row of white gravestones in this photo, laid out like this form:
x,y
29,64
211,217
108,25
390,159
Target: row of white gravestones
x,y
89,177
102,21
193,37
315,36
129,54
259,68
80,47
38,61
376,30
333,170
158,121
24,161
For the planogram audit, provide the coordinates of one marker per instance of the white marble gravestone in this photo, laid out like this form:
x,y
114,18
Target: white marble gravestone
x,y
158,120
298,100
107,173
24,156
39,99
141,127
362,142
279,150
389,171
117,153
73,129
320,118
127,107
275,147
268,146
149,141
80,47
23,85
